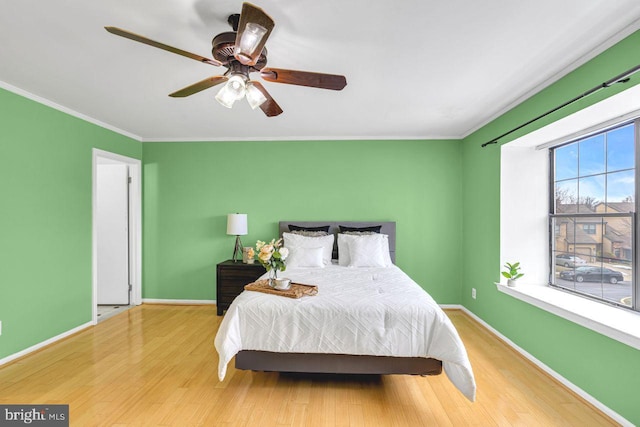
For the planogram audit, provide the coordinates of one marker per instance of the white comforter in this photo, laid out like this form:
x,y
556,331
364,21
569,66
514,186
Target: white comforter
x,y
365,311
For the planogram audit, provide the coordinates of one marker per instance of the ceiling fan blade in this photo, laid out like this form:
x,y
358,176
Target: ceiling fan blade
x,y
136,37
254,29
200,86
304,78
270,107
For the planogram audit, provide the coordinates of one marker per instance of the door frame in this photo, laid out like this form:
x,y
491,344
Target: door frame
x,y
135,227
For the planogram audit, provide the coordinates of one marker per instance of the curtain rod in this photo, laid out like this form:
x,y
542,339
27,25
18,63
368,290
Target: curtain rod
x,y
621,78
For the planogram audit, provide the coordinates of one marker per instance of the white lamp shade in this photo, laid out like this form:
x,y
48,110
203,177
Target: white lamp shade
x,y
237,85
254,96
249,41
226,97
237,224
233,90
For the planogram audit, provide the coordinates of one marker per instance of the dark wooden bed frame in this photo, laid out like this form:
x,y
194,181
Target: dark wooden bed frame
x,y
316,363
338,363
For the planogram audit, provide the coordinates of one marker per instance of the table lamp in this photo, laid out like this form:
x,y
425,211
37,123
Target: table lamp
x,y
237,226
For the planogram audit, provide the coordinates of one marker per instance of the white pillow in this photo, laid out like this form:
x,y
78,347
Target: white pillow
x,y
343,250
293,241
305,257
385,250
364,250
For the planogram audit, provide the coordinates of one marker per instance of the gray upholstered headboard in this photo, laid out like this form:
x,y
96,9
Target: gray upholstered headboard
x,y
388,228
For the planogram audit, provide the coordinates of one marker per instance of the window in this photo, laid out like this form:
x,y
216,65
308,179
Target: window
x,y
592,214
525,171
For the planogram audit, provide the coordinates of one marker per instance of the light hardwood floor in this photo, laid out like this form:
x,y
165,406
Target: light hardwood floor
x,y
156,365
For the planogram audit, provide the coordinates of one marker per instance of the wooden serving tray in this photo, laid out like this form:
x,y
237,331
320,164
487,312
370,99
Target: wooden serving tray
x,y
297,290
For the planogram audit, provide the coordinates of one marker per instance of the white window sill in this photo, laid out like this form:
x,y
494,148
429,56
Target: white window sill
x,y
615,323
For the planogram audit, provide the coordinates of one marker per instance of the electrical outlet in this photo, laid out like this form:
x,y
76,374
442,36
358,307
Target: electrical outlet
x,y
473,293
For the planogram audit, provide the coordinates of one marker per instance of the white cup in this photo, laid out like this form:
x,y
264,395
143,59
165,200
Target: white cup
x,y
282,284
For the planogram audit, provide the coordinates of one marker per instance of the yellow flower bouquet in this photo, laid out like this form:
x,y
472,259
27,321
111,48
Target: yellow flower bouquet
x,y
272,256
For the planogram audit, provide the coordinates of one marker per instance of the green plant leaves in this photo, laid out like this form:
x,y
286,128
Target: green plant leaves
x,y
513,272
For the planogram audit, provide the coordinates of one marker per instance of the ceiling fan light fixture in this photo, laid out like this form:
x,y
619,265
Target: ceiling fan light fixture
x,y
225,97
255,97
238,85
249,42
233,90
242,51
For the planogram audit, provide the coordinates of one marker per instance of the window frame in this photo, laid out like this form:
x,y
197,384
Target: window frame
x,y
635,230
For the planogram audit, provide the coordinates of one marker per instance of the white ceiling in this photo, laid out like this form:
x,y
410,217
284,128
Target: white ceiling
x,y
415,68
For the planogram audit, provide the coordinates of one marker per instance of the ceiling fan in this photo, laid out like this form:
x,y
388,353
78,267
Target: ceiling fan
x,y
242,51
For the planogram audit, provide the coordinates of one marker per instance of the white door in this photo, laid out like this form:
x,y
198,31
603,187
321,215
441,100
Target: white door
x,y
113,234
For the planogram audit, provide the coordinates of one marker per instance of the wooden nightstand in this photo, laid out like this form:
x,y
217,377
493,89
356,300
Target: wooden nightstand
x,y
230,280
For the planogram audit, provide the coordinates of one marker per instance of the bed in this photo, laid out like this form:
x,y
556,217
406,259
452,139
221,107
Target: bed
x,y
370,319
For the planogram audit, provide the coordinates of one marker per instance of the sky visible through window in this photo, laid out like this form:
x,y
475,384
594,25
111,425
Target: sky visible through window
x,y
598,169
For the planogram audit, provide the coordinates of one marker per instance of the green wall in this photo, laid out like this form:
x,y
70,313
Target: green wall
x,y
189,188
45,219
604,368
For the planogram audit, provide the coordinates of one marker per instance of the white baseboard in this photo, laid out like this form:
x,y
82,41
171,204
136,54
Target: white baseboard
x,y
452,307
44,343
562,380
179,301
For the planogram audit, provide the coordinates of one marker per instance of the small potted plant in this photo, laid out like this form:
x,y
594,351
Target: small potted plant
x,y
512,273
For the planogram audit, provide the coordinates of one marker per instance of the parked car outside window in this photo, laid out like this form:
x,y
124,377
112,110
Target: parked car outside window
x,y
566,260
592,274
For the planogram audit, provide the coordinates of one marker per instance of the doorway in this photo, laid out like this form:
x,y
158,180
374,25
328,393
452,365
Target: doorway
x,y
117,233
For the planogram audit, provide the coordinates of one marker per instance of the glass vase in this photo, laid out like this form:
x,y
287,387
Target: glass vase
x,y
273,275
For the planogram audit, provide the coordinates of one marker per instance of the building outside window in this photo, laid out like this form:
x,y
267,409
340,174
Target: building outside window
x,y
592,214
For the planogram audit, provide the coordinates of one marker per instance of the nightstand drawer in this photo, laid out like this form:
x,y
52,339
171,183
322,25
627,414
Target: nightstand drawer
x,y
230,280
233,289
238,276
